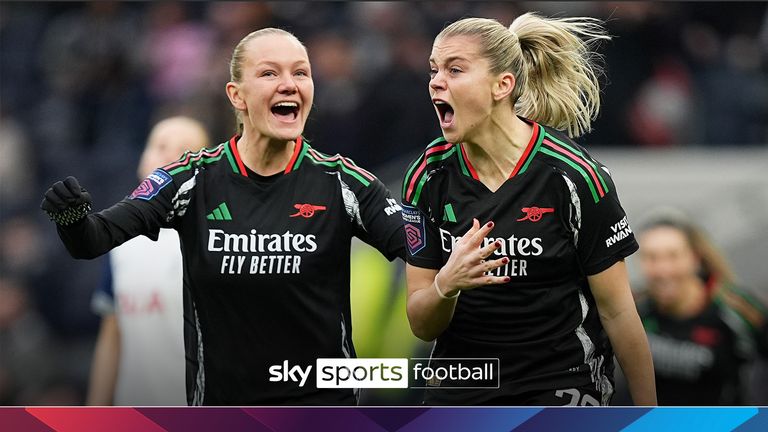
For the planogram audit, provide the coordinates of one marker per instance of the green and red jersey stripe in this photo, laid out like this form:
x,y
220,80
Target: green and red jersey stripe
x,y
298,149
229,149
531,150
236,155
466,164
188,160
434,143
581,155
301,150
550,145
345,164
559,150
579,161
344,161
415,182
190,157
752,312
469,170
592,175
535,138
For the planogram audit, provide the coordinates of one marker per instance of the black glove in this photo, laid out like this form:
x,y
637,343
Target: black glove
x,y
66,202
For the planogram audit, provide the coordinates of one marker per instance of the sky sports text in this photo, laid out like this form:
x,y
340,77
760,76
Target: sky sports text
x,y
391,373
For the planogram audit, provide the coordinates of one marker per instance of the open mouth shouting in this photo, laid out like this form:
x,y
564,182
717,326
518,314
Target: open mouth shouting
x,y
286,111
444,112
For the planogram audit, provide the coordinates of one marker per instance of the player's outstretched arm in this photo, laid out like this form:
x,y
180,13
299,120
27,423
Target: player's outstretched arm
x,y
619,317
87,235
432,294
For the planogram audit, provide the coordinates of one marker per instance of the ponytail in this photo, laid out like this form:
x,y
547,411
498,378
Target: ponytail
x,y
558,84
553,62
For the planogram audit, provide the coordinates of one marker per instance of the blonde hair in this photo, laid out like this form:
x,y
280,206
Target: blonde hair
x,y
553,61
178,133
238,56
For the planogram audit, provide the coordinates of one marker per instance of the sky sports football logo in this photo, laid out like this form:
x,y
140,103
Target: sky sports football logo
x,y
467,373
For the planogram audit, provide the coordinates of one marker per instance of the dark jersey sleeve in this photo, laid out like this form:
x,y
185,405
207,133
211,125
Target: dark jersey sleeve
x,y
381,222
604,235
752,312
422,236
155,203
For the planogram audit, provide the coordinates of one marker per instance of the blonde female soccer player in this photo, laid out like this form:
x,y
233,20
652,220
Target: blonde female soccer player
x,y
541,284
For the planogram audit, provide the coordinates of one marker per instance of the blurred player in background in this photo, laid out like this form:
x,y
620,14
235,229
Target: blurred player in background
x,y
543,282
703,330
139,354
265,222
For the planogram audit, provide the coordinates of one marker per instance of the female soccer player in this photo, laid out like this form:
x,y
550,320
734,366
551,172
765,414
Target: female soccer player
x,y
265,223
548,292
702,329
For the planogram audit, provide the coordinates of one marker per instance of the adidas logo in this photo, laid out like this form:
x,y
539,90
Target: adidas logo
x,y
220,213
448,214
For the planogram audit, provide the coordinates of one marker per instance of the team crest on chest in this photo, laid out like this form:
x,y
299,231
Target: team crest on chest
x,y
534,214
307,210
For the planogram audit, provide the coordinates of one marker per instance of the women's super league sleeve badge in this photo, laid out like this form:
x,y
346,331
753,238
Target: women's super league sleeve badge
x,y
415,231
150,186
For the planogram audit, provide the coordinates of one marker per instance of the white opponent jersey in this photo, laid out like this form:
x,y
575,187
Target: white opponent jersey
x,y
144,288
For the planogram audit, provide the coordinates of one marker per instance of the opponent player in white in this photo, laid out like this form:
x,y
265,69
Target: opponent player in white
x,y
139,354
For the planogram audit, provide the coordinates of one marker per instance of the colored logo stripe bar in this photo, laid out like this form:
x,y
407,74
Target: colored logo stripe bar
x,y
384,419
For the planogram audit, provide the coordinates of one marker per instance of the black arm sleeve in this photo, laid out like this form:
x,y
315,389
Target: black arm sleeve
x,y
605,236
151,206
99,233
422,236
423,239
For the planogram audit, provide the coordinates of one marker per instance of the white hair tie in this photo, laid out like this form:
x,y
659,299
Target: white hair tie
x,y
440,292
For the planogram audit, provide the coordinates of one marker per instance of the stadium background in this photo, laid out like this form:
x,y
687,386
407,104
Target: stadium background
x,y
684,123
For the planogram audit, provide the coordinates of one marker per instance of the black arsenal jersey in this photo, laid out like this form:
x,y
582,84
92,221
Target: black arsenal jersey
x,y
558,219
701,360
266,265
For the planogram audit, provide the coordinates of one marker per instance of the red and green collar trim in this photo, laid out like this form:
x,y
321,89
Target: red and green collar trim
x,y
234,157
520,166
525,159
299,150
236,162
466,165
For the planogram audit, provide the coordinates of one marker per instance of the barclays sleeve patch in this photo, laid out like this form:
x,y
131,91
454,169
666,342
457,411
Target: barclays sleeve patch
x,y
151,186
415,229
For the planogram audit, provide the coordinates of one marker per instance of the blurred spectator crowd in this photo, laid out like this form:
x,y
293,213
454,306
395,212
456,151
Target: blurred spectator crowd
x,y
82,83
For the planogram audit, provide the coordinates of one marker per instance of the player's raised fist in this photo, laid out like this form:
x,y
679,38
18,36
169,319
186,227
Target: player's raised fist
x,y
66,202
